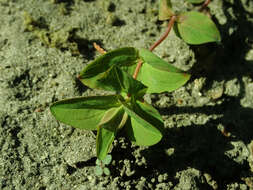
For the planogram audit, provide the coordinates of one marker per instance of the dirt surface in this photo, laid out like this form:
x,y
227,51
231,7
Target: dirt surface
x,y
208,139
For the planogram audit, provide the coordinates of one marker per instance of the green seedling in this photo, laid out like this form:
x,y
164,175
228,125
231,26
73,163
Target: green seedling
x,y
126,109
193,27
129,73
101,168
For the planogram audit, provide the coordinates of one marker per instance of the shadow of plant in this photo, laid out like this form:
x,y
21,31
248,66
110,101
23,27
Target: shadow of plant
x,y
227,60
203,146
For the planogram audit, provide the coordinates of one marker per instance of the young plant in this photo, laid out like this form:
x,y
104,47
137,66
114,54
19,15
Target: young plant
x,y
193,27
126,108
101,168
130,73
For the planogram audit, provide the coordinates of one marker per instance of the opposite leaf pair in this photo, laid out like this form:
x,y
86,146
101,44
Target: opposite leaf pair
x,y
101,168
126,109
107,115
114,70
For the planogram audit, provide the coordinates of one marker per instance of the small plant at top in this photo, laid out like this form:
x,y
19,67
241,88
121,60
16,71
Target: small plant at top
x,y
131,73
193,27
101,168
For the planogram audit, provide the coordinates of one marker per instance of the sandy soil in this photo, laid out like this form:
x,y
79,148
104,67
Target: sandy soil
x,y
208,140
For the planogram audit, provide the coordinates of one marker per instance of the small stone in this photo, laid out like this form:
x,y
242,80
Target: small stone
x,y
160,178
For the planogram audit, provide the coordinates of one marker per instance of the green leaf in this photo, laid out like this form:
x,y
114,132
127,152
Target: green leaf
x,y
197,28
195,1
120,57
111,72
123,121
159,75
165,10
145,125
98,162
120,81
98,170
83,112
107,171
100,67
107,129
107,159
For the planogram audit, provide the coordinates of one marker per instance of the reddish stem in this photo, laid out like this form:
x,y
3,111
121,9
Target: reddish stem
x,y
137,69
204,5
170,25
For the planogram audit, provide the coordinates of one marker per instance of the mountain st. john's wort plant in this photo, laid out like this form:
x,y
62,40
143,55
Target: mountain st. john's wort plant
x,y
131,73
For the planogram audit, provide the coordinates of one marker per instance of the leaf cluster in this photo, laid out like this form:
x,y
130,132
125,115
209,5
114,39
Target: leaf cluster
x,y
101,168
125,109
193,27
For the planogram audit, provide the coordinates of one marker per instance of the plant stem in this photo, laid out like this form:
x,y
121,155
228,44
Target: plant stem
x,y
157,43
204,5
137,69
170,25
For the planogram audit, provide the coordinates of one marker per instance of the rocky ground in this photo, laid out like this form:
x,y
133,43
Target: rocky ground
x,y
208,140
